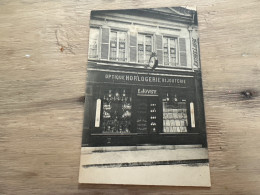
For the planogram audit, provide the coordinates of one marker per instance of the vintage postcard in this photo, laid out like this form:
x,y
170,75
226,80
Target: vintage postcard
x,y
144,121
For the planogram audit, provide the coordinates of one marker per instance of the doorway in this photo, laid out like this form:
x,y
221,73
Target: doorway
x,y
147,114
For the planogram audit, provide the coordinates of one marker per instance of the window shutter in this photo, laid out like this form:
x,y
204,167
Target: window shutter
x,y
105,43
159,49
183,55
133,43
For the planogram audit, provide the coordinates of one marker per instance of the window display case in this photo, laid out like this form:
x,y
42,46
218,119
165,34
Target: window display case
x,y
175,119
116,112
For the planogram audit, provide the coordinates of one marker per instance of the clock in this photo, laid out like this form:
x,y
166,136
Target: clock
x,y
153,62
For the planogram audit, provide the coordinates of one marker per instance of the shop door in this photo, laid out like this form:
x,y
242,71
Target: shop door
x,y
147,114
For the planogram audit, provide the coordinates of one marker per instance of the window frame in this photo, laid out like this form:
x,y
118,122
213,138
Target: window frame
x,y
152,44
100,92
98,44
117,51
177,52
127,46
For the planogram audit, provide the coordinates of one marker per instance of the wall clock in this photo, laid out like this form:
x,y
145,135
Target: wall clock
x,y
153,61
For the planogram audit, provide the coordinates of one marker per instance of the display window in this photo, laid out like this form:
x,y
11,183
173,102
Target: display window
x,y
116,111
175,118
141,110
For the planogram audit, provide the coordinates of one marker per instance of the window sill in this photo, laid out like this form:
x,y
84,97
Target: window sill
x,y
138,65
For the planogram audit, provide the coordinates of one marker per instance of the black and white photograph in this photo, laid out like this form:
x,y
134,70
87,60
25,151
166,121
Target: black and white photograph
x,y
144,120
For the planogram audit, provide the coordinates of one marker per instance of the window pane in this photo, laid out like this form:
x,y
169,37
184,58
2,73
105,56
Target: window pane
x,y
165,51
141,48
118,45
117,109
169,51
175,118
113,45
113,36
173,52
165,42
148,48
93,43
122,46
148,40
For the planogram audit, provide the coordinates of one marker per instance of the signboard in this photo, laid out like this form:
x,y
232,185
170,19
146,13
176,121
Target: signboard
x,y
195,49
98,112
147,92
140,79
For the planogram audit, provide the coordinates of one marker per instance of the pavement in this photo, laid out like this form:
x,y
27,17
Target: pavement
x,y
145,165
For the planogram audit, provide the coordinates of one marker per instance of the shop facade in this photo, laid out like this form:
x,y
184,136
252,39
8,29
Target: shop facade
x,y
143,79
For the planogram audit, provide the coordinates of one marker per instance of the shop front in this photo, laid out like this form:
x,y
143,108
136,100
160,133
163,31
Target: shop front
x,y
128,108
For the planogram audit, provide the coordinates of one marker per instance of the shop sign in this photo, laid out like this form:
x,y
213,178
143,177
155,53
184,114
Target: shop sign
x,y
140,78
147,92
195,48
195,52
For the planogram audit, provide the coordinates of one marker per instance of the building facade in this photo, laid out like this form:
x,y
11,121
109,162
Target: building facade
x,y
144,79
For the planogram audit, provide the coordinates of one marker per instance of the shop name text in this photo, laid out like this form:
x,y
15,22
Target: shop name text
x,y
148,79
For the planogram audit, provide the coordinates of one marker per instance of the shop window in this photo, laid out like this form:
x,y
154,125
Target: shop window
x,y
145,48
93,43
174,115
118,45
116,111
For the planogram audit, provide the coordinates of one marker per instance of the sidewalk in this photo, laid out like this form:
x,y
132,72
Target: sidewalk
x,y
143,165
103,155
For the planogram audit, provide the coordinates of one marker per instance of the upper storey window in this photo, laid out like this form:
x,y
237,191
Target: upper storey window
x,y
145,43
93,51
121,46
170,51
118,46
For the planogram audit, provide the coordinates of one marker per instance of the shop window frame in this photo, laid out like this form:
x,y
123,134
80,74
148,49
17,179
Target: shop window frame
x,y
99,95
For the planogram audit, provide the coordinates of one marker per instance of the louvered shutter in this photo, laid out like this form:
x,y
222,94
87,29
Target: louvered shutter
x,y
105,43
159,49
133,43
183,55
